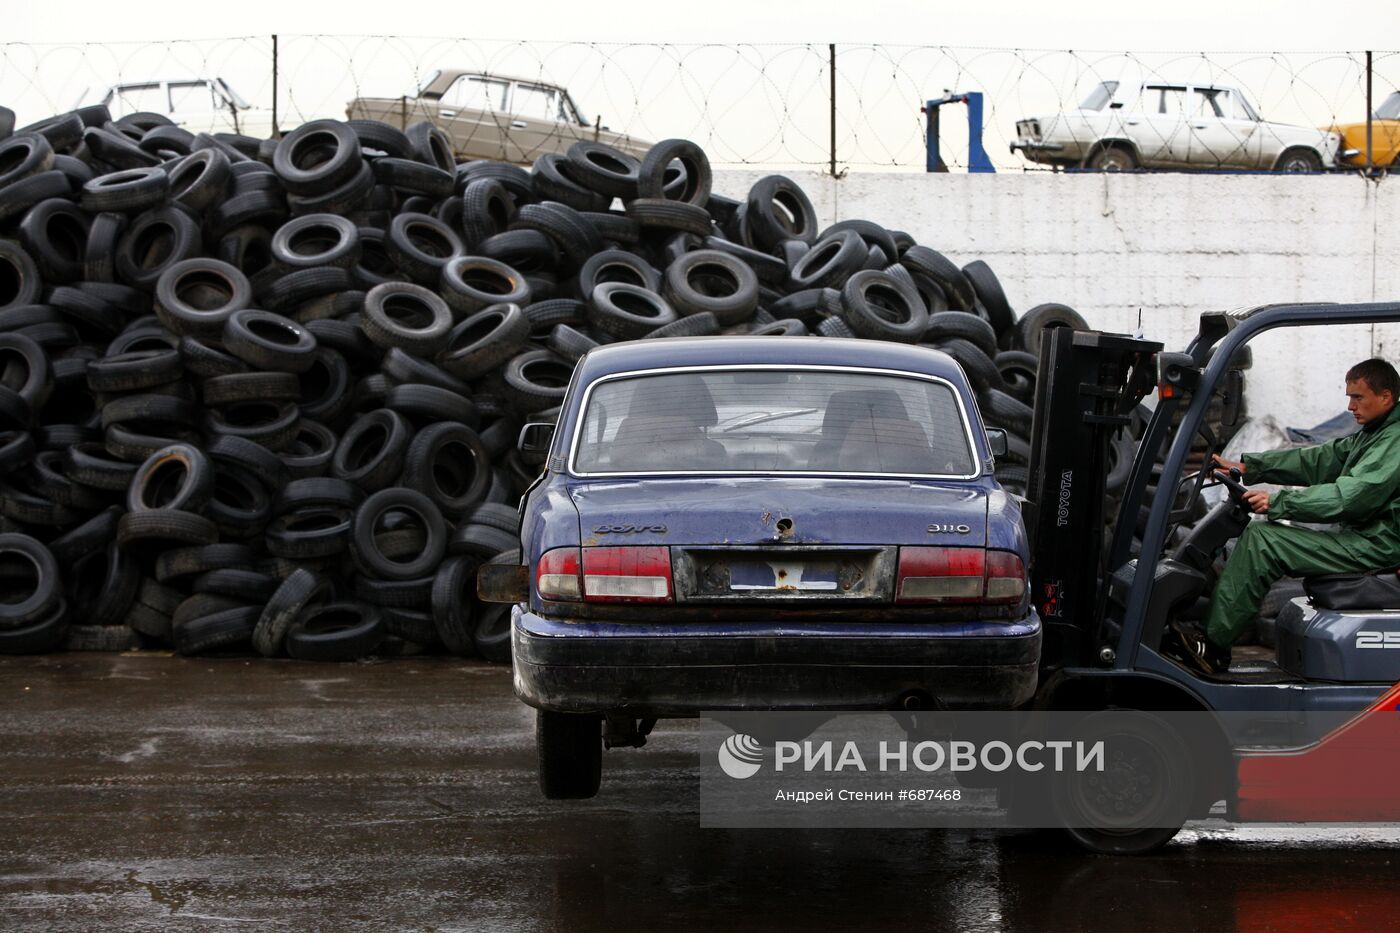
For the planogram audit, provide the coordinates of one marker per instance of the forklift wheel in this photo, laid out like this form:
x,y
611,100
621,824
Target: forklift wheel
x,y
1141,798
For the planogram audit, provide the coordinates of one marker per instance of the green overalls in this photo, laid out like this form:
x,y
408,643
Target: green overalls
x,y
1354,481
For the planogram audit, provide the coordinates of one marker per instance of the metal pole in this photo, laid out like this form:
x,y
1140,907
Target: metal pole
x,y
831,58
1370,163
274,85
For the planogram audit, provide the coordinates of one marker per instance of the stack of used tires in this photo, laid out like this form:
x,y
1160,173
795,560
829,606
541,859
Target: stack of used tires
x,y
264,394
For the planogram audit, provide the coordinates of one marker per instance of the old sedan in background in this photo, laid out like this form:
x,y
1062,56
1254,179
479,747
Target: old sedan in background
x,y
1385,136
1122,127
489,116
763,523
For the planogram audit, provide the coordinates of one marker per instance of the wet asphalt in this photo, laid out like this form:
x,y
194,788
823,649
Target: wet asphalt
x,y
143,792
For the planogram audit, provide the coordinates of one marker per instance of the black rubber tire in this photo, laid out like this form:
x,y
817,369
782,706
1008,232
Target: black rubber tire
x,y
943,272
156,241
317,492
1003,411
709,280
537,380
487,209
1027,333
38,637
989,292
381,137
628,311
448,463
565,227
38,600
660,215
552,179
980,369
18,197
421,245
482,541
220,631
165,525
21,276
54,232
178,477
273,425
652,178
777,209
829,263
342,631
412,177
426,404
704,324
241,503
313,240
248,387
309,534
24,154
251,456
297,591
604,169
395,594
570,750
130,190
470,283
570,344
881,307
311,451
266,340
317,157
88,538
484,341
969,327
452,591
134,370
366,551
200,179
407,316
371,452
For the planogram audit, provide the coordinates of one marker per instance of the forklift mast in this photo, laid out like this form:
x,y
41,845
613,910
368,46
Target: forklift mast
x,y
1088,385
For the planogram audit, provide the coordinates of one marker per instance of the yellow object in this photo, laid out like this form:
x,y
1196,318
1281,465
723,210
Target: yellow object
x,y
1385,136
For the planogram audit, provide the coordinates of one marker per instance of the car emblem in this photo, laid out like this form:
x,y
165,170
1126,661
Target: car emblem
x,y
937,529
629,529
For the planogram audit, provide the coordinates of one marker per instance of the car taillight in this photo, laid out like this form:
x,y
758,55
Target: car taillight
x,y
627,575
959,575
557,576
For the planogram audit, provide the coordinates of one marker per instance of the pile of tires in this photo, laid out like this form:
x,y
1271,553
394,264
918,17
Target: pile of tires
x,y
264,394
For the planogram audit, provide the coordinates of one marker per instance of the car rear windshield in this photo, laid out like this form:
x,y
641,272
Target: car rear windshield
x,y
1100,96
773,421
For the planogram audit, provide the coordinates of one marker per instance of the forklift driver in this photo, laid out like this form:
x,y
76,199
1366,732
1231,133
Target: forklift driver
x,y
1353,481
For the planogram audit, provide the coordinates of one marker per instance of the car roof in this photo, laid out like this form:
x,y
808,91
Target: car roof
x,y
446,76
671,352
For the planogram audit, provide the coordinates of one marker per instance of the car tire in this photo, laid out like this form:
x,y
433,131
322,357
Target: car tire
x,y
570,748
1112,159
341,631
1299,162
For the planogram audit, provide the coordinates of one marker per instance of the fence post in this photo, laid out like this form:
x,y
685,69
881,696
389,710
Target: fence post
x,y
1370,160
274,85
831,58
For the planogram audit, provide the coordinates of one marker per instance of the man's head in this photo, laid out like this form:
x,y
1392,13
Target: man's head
x,y
1372,388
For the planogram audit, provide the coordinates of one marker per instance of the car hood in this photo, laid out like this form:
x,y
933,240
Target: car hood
x,y
747,510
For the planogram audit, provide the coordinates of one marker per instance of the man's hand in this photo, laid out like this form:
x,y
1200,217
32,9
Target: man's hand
x,y
1226,465
1257,500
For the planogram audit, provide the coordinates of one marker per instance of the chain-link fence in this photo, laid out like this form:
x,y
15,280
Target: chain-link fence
x,y
830,107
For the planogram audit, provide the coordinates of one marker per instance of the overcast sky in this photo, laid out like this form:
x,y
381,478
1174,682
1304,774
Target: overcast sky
x,y
1170,25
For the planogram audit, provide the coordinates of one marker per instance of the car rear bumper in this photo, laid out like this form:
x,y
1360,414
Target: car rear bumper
x,y
681,670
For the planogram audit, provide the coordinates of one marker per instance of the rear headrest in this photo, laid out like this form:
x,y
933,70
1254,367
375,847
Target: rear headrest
x,y
684,396
843,408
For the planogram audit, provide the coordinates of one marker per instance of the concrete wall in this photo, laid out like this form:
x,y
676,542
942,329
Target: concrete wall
x,y
1164,246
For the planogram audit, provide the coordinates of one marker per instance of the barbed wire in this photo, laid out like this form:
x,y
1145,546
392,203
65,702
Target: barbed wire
x,y
763,105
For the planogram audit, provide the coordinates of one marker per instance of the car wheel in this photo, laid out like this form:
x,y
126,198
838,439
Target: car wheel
x,y
1299,161
1112,159
1143,795
570,746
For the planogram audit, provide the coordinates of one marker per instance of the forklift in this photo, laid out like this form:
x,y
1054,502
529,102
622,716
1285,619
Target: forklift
x,y
1106,618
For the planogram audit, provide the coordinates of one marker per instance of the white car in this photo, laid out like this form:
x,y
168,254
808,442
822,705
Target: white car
x,y
1160,125
200,105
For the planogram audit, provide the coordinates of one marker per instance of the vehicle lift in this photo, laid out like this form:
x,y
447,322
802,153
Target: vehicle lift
x,y
977,160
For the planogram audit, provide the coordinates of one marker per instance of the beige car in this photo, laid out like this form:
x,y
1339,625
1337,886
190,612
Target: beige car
x,y
494,117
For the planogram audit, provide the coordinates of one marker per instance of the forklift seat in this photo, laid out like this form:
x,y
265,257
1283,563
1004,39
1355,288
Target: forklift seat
x,y
1378,589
